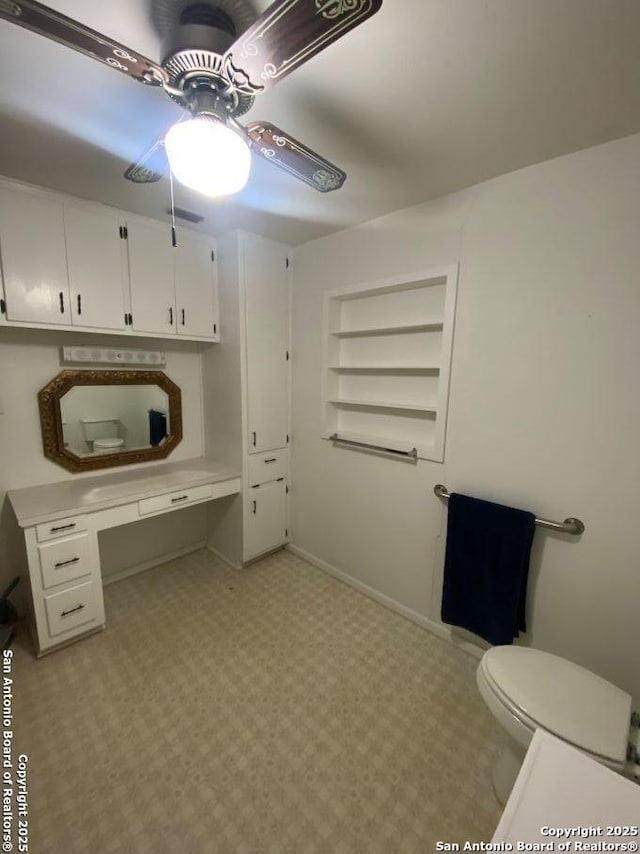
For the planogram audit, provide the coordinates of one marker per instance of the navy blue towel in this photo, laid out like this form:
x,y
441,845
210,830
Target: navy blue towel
x,y
157,427
486,568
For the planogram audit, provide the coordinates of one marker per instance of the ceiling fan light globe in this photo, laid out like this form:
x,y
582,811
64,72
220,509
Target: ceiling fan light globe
x,y
208,157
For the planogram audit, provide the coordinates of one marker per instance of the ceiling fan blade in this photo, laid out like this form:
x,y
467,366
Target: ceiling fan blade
x,y
289,154
289,33
141,171
47,22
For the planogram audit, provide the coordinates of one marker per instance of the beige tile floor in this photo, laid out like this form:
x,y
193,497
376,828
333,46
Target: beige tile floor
x,y
269,710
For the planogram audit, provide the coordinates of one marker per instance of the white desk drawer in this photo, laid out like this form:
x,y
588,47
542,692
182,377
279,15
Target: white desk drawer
x,y
66,559
175,500
271,465
72,611
61,528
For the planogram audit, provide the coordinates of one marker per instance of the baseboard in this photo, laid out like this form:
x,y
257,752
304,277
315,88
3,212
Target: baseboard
x,y
223,558
149,564
430,625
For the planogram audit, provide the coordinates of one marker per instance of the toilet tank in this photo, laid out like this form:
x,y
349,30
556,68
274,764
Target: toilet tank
x,y
99,428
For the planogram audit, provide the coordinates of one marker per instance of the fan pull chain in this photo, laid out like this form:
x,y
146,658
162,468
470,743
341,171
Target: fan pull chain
x,y
174,241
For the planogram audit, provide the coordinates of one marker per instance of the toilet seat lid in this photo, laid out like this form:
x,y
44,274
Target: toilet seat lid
x,y
563,698
108,443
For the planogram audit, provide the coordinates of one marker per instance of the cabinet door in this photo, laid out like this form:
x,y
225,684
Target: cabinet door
x,y
153,302
34,260
267,327
196,285
95,256
266,518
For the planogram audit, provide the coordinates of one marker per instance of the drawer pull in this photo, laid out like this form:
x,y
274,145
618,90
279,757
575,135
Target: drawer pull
x,y
272,460
255,507
180,498
71,611
63,527
66,562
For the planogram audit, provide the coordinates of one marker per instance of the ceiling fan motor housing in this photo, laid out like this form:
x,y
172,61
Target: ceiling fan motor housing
x,y
192,54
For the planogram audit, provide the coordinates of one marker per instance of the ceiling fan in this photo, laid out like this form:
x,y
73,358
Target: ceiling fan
x,y
216,74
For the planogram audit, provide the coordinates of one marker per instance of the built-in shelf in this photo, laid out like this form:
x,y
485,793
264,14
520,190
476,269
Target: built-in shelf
x,y
387,330
385,344
378,404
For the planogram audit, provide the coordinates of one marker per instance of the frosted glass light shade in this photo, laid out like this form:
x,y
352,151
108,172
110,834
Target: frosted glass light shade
x,y
208,157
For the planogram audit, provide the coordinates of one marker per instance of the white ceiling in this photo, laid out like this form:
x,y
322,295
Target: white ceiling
x,y
426,97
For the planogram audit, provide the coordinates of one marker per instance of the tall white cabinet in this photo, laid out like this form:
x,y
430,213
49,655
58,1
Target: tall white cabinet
x,y
247,393
266,310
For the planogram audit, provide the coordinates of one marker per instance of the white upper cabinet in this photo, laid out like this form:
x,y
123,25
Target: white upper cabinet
x,y
79,265
174,289
196,285
266,290
151,259
95,261
34,260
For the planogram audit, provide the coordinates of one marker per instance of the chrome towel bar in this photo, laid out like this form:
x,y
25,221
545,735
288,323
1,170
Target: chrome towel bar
x,y
569,526
413,453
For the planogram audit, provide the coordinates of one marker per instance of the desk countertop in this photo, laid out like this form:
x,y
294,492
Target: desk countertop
x,y
52,501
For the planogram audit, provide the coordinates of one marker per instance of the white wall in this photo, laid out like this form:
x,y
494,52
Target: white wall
x,y
31,358
545,399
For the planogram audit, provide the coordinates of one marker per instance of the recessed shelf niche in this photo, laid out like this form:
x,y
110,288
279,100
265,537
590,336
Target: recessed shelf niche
x,y
387,355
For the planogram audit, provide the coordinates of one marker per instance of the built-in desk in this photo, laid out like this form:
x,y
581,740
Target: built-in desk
x,y
61,522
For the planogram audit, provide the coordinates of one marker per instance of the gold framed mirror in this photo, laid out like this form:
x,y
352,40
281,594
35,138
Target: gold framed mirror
x,y
98,419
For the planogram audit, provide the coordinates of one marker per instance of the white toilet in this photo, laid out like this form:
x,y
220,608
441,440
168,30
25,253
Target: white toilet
x,y
527,689
102,435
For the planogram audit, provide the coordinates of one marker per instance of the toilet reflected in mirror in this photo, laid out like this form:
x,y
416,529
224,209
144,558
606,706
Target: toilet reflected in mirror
x,y
111,419
93,419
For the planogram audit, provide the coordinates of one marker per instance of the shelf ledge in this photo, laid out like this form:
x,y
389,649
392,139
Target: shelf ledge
x,y
378,404
387,330
407,369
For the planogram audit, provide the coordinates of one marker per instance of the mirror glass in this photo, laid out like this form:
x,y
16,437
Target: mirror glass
x,y
94,419
113,419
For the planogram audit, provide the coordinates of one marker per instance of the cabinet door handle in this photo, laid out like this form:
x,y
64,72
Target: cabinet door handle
x,y
66,562
183,317
271,460
62,527
181,498
255,507
170,316
71,611
61,303
254,438
79,303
